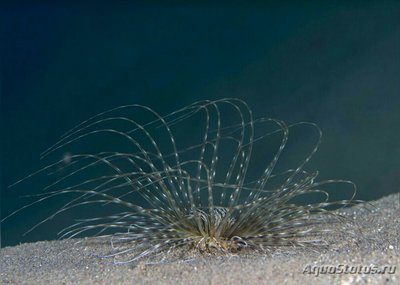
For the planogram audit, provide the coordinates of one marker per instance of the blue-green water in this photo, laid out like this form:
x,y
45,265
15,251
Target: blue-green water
x,y
335,65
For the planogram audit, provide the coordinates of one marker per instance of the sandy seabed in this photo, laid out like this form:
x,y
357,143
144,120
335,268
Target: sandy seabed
x,y
76,261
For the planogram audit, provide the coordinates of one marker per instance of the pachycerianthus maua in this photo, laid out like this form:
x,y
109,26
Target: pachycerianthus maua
x,y
207,177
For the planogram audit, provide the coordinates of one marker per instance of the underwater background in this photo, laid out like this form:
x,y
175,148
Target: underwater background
x,y
335,64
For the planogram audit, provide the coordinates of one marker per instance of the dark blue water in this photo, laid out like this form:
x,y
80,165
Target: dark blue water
x,y
335,65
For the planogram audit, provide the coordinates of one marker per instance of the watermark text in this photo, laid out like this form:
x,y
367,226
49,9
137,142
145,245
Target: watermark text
x,y
317,270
